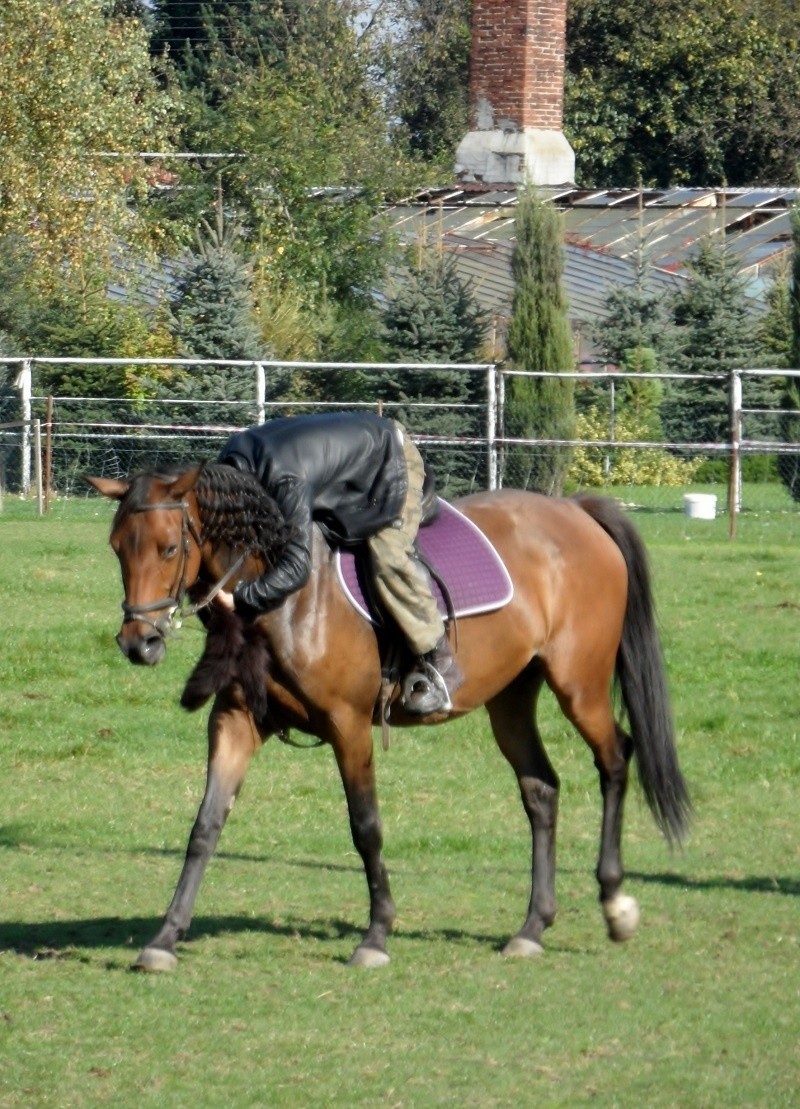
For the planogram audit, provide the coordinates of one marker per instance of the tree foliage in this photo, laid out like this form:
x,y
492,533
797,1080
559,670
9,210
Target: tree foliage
x,y
715,332
789,425
700,93
621,465
213,316
432,316
213,312
287,89
76,85
427,70
539,339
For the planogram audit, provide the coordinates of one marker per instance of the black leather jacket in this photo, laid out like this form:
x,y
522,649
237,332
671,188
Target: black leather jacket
x,y
345,471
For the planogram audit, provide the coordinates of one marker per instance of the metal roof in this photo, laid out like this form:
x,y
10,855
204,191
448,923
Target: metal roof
x,y
607,231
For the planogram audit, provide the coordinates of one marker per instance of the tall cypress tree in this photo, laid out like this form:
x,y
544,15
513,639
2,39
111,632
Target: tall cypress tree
x,y
539,339
789,423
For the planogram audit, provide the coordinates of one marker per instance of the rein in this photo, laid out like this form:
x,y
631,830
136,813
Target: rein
x,y
174,604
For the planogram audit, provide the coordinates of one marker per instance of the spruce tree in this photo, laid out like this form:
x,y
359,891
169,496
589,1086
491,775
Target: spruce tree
x,y
634,319
213,318
715,333
539,339
630,336
433,317
213,313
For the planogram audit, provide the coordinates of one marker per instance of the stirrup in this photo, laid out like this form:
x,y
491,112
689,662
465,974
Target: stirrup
x,y
433,697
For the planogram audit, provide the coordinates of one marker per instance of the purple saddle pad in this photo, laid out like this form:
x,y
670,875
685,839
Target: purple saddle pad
x,y
460,554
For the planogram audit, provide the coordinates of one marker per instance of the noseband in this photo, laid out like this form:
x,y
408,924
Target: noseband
x,y
173,604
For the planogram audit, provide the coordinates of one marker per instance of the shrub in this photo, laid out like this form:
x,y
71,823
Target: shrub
x,y
594,466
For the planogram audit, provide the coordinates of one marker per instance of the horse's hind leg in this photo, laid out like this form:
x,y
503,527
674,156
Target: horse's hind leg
x,y
512,714
589,708
232,741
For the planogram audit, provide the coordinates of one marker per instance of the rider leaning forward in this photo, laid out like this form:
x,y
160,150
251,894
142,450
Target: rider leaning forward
x,y
360,478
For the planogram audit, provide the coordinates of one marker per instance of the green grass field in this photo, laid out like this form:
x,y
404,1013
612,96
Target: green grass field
x,y
101,775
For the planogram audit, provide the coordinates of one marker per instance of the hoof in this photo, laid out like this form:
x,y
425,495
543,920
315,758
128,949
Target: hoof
x,y
155,959
520,947
368,957
622,917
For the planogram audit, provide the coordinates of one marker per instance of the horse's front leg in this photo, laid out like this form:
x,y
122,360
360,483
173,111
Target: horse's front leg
x,y
355,759
232,740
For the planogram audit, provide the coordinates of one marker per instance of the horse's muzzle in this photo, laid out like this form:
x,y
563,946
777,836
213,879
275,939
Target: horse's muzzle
x,y
142,650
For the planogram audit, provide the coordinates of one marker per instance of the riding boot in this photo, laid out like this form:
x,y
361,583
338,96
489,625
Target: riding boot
x,y
432,683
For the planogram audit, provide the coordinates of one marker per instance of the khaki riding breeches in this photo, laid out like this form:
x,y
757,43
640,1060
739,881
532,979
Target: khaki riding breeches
x,y
401,581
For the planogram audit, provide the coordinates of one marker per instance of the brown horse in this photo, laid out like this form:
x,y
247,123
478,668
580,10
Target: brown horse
x,y
581,620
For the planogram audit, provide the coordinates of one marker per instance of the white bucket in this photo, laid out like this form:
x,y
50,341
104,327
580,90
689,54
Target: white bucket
x,y
700,506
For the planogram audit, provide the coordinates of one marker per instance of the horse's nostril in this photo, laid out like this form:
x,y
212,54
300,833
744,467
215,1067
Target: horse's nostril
x,y
142,650
152,649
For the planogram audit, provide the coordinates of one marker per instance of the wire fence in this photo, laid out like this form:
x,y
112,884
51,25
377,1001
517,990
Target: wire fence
x,y
645,437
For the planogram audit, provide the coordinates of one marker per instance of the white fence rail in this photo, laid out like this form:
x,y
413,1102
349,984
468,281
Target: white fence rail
x,y
121,434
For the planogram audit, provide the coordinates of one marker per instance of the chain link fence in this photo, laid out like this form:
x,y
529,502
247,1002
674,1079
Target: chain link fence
x,y
649,439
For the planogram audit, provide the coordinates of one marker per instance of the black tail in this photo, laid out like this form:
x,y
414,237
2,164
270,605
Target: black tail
x,y
641,679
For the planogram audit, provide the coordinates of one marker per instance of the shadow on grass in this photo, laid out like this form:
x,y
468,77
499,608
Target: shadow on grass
x,y
790,887
66,938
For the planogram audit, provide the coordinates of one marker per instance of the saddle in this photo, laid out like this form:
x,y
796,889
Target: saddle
x,y
467,577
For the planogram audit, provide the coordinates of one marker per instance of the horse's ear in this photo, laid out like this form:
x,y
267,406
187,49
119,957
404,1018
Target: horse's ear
x,y
109,487
186,481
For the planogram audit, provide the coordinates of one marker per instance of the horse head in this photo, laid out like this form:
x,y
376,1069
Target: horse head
x,y
156,537
210,522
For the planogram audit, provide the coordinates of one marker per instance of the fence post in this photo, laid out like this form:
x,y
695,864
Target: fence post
x,y
37,466
48,454
23,382
735,468
261,393
500,381
491,424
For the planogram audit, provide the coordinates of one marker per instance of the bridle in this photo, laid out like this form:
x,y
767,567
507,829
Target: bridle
x,y
173,605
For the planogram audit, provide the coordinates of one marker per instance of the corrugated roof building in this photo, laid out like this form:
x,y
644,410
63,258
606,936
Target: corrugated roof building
x,y
608,233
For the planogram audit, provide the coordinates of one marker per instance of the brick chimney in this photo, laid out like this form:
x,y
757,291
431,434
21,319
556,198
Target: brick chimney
x,y
517,94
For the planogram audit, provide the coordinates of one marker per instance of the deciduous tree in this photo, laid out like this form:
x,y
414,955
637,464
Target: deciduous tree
x,y
427,73
75,85
702,93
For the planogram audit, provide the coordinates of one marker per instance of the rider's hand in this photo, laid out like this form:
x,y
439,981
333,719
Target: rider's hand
x,y
224,601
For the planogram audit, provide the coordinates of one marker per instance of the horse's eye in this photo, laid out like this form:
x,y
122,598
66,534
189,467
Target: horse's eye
x,y
170,552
